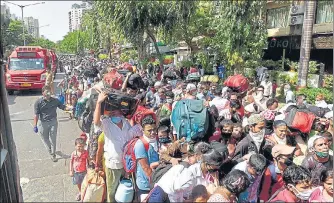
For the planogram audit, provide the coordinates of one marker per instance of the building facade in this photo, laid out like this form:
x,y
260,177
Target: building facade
x,y
75,16
5,11
32,26
285,25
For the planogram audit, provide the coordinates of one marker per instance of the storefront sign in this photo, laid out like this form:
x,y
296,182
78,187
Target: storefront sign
x,y
284,43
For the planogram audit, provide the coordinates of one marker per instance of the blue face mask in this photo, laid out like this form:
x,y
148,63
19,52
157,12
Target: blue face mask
x,y
116,119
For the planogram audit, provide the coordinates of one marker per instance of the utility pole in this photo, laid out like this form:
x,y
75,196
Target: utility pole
x,y
306,42
22,7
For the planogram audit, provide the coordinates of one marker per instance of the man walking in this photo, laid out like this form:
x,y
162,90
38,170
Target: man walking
x,y
46,112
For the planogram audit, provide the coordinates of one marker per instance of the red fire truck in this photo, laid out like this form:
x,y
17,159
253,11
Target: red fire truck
x,y
26,68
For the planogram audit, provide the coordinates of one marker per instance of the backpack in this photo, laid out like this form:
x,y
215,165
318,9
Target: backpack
x,y
190,119
318,111
300,119
90,73
114,79
158,173
237,83
129,158
141,113
93,188
135,82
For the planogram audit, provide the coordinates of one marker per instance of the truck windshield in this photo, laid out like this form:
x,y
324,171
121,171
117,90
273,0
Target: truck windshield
x,y
26,64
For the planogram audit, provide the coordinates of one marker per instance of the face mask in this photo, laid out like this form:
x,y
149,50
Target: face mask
x,y
305,195
169,101
116,119
288,162
194,93
164,140
226,135
258,134
322,154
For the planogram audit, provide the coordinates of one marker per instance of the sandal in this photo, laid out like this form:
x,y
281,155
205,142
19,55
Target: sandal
x,y
78,197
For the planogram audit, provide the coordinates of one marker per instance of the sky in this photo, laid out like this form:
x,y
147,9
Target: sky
x,y
54,13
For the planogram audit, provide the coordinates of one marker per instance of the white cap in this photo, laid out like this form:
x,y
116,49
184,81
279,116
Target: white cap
x,y
191,87
250,108
157,84
329,115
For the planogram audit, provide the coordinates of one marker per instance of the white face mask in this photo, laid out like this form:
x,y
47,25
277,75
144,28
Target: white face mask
x,y
305,195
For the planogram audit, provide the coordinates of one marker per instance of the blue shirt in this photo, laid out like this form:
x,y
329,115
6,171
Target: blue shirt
x,y
151,155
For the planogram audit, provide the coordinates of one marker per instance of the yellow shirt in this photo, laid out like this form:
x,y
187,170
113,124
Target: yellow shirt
x,y
100,140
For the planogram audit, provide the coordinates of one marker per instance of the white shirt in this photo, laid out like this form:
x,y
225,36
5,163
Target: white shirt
x,y
178,182
268,88
114,141
290,96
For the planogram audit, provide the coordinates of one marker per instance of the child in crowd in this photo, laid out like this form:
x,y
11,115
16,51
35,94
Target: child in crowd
x,y
325,192
78,164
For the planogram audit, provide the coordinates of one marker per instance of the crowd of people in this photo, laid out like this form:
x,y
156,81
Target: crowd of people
x,y
244,150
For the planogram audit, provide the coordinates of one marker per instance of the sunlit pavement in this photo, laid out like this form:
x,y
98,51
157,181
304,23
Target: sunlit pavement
x,y
41,179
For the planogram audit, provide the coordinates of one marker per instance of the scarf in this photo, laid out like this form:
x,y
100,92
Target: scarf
x,y
279,140
257,138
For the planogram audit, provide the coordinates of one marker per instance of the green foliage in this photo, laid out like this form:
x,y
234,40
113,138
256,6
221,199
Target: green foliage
x,y
45,43
74,42
240,32
128,54
313,67
328,81
186,63
286,77
311,94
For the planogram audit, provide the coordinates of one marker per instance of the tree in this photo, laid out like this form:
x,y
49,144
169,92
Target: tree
x,y
13,34
134,18
194,19
240,32
45,43
305,48
74,42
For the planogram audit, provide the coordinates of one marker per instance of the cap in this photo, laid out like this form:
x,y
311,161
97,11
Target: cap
x,y
250,108
282,149
255,118
310,142
191,86
157,84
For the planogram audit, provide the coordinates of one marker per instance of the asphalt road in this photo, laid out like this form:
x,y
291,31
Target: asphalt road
x,y
41,179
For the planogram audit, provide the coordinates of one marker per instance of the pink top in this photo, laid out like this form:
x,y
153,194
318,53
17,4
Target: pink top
x,y
317,196
79,163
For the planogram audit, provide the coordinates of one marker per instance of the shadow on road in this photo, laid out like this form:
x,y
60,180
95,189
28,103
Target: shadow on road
x,y
11,99
29,93
62,155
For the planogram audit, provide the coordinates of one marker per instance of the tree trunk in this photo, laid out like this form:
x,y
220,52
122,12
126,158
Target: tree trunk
x,y
189,44
151,35
306,43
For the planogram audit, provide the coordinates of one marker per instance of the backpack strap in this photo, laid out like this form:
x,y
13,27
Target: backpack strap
x,y
273,174
146,144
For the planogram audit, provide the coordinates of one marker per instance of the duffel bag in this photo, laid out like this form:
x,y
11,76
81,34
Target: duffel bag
x,y
118,101
238,83
300,119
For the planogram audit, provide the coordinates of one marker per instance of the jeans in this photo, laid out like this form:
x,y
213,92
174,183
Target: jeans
x,y
48,132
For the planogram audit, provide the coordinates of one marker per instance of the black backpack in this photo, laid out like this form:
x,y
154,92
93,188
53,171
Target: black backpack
x,y
135,82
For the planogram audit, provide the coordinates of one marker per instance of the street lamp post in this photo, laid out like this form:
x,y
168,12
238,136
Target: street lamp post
x,y
23,6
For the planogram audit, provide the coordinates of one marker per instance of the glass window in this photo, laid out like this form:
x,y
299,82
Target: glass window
x,y
278,17
324,12
26,64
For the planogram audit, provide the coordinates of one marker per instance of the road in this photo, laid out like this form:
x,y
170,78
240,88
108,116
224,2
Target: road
x,y
41,179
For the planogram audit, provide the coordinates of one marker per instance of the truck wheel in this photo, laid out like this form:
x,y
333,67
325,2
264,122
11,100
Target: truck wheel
x,y
10,92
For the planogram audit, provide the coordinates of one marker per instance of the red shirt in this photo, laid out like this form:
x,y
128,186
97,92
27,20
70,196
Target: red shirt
x,y
274,87
267,184
79,163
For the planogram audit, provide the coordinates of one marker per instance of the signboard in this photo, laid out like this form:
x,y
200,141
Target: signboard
x,y
26,54
291,42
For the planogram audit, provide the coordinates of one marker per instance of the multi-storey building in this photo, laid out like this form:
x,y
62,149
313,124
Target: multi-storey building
x,y
285,25
32,26
5,11
75,16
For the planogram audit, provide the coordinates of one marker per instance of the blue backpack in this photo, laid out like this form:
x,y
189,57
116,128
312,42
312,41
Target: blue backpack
x,y
190,119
